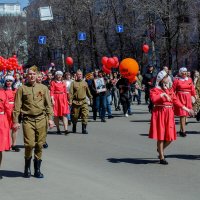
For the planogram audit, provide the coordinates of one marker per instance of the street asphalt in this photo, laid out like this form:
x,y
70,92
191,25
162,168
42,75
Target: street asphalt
x,y
115,161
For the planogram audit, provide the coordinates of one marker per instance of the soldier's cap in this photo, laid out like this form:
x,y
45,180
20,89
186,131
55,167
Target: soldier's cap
x,y
59,73
34,68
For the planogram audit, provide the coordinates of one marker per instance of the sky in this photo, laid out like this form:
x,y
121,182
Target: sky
x,y
23,3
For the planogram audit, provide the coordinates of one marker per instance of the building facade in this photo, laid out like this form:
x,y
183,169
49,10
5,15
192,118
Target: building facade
x,y
10,9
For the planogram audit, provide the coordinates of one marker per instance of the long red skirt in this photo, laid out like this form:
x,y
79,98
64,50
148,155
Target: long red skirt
x,y
4,133
162,124
61,106
185,99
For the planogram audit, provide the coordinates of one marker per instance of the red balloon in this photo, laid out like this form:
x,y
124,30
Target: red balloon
x,y
106,70
145,48
104,60
110,63
116,65
116,59
69,61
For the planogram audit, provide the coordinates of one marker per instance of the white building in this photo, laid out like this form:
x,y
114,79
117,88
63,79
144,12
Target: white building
x,y
10,9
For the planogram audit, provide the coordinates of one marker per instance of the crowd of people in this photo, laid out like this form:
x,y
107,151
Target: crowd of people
x,y
38,100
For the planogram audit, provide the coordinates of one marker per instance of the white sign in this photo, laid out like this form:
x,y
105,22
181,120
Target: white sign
x,y
45,13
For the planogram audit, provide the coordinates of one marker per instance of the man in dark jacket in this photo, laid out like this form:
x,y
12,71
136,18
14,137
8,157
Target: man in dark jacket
x,y
125,94
148,81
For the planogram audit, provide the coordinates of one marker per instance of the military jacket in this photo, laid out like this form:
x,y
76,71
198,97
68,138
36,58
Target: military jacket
x,y
78,92
32,100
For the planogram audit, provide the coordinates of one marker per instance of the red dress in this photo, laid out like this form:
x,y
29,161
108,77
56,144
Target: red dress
x,y
184,90
5,113
162,120
59,91
11,98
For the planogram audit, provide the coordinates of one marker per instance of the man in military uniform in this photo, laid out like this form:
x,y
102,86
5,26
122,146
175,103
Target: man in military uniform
x,y
33,101
78,91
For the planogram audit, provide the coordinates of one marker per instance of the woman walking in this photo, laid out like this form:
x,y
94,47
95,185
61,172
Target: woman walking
x,y
162,126
59,97
5,114
10,93
185,91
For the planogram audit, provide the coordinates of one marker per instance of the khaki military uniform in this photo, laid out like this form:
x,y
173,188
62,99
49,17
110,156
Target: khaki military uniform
x,y
33,102
78,92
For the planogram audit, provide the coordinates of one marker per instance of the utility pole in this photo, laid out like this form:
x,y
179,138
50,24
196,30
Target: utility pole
x,y
62,46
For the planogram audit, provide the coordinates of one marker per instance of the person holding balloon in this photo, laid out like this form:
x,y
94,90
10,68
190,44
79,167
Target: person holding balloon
x,y
125,94
128,69
162,127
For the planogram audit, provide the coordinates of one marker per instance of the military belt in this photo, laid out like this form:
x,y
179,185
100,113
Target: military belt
x,y
33,116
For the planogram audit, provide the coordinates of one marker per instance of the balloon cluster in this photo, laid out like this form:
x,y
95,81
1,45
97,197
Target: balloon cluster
x,y
129,68
9,64
109,63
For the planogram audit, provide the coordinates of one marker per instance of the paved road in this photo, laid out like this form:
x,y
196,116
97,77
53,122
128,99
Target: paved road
x,y
116,161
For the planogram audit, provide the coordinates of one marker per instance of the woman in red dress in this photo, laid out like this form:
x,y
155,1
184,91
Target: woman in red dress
x,y
184,89
59,96
5,114
10,92
162,126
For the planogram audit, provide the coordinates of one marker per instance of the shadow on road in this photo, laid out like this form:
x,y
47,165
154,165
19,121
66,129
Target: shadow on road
x,y
11,174
142,161
140,121
192,132
184,156
146,135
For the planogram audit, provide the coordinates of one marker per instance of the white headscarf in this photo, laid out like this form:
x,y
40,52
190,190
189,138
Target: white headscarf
x,y
9,78
160,76
182,69
59,73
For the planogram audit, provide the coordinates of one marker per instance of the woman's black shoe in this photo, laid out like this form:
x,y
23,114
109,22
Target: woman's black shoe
x,y
182,134
15,148
1,177
163,162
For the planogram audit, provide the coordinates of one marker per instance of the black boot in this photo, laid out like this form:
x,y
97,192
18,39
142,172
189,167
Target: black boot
x,y
84,131
27,168
37,164
74,128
